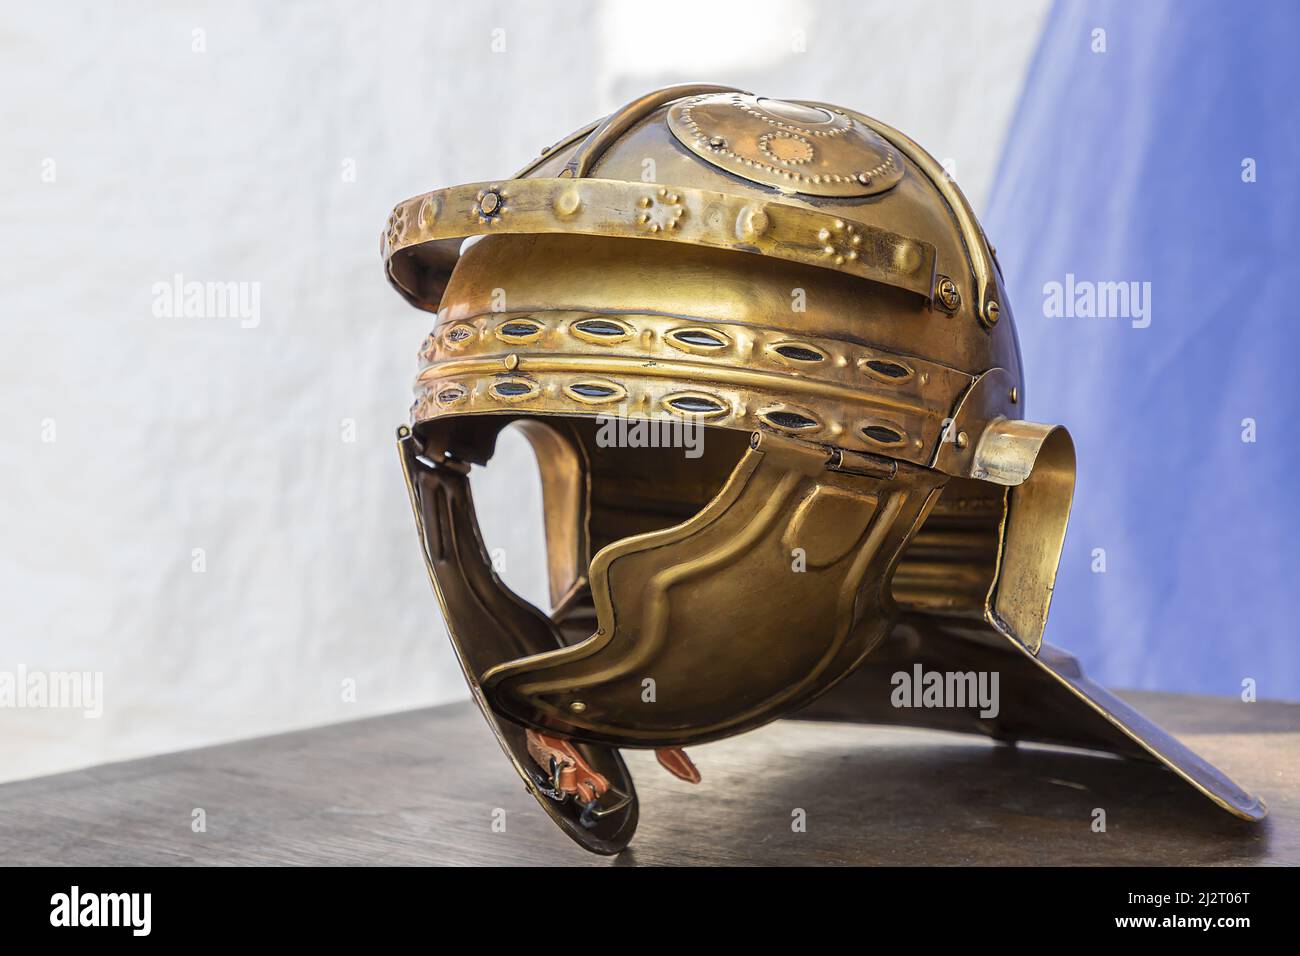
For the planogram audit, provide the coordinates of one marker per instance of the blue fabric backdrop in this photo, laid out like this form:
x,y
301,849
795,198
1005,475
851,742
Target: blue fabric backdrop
x,y
1127,165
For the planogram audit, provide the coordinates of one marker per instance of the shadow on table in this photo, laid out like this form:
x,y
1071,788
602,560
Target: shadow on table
x,y
971,803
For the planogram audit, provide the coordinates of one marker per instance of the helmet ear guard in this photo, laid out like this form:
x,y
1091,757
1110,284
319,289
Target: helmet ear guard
x,y
1036,464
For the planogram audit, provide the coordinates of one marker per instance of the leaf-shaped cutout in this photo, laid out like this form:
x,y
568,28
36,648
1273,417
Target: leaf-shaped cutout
x,y
514,390
799,352
519,330
691,403
885,369
787,420
697,340
595,392
883,435
601,331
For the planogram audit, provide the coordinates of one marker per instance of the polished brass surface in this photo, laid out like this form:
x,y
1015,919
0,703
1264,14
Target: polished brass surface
x,y
814,150
810,290
606,133
738,373
487,624
712,577
441,220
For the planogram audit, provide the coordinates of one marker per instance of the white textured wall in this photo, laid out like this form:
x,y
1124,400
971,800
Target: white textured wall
x,y
129,157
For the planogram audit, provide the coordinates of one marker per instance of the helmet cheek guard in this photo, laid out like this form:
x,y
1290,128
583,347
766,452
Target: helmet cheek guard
x,y
584,787
808,291
748,610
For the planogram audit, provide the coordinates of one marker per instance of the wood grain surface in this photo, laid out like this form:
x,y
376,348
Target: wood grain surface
x,y
422,788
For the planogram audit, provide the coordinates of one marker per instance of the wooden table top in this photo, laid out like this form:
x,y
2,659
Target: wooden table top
x,y
424,787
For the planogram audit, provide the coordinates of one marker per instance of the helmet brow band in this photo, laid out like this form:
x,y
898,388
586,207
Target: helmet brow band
x,y
702,217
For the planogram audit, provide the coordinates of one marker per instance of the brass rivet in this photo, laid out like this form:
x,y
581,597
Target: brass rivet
x,y
753,222
962,439
1015,395
991,312
864,178
718,142
489,203
907,257
577,707
428,213
568,202
949,297
512,361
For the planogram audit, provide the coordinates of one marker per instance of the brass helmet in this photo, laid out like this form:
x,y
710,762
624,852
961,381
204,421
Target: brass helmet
x,y
804,289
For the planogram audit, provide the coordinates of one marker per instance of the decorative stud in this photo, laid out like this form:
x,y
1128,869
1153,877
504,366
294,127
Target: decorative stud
x,y
661,212
428,215
907,257
490,204
752,222
567,203
841,241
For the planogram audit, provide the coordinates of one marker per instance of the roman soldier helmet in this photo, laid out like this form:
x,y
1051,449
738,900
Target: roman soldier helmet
x,y
807,288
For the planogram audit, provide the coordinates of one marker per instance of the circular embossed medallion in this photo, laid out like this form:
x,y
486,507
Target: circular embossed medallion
x,y
814,150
